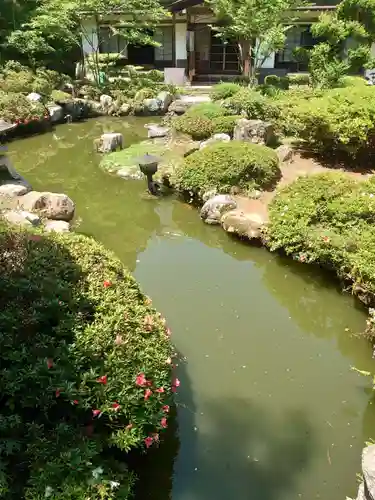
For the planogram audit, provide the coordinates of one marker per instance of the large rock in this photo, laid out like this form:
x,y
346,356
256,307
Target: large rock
x,y
56,113
155,130
34,97
109,143
106,101
215,138
124,109
284,153
151,106
255,131
13,190
56,206
179,107
245,224
57,226
214,208
165,99
21,218
368,471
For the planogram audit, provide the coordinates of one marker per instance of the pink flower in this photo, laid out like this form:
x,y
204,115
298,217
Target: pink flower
x,y
116,406
148,441
168,332
174,388
102,380
141,380
176,382
57,393
148,393
166,408
160,390
75,402
168,361
325,239
107,283
163,422
96,413
129,426
156,437
49,363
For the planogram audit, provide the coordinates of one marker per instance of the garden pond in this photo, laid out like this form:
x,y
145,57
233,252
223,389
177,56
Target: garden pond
x,y
268,408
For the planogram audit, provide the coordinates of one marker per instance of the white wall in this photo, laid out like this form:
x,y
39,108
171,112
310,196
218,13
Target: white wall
x,y
90,37
270,61
181,33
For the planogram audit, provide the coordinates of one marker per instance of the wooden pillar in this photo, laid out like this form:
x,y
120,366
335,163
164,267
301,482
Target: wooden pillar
x,y
190,47
174,60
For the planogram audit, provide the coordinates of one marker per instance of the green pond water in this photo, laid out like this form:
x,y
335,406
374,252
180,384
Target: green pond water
x,y
268,408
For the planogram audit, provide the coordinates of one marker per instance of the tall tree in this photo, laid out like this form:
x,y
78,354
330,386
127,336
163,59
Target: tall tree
x,y
347,35
258,26
64,21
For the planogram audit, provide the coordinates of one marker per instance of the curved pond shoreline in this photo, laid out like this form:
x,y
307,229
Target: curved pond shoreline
x,y
242,317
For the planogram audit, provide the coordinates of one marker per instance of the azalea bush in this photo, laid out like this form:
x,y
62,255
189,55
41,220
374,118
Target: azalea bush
x,y
339,120
198,127
226,164
329,219
224,90
85,369
17,109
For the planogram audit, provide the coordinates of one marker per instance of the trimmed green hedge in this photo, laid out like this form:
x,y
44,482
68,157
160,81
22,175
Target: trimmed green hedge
x,y
224,90
224,165
329,219
225,124
84,368
253,103
198,127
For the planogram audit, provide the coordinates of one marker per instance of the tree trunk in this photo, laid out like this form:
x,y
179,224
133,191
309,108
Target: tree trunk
x,y
246,58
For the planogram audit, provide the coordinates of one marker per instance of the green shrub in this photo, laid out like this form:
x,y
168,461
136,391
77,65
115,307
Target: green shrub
x,y
225,124
223,165
197,126
341,120
329,219
15,107
82,354
224,90
60,96
279,82
207,110
127,158
299,79
354,81
253,103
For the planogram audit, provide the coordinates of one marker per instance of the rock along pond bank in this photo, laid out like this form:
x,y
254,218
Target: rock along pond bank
x,y
269,407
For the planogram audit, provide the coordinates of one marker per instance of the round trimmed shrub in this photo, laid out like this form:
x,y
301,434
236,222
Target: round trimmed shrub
x,y
223,165
207,110
84,369
255,105
224,90
16,107
225,124
198,127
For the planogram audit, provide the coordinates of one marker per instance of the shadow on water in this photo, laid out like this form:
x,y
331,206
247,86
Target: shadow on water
x,y
262,454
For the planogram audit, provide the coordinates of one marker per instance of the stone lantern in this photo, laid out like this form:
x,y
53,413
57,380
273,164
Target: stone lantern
x,y
148,165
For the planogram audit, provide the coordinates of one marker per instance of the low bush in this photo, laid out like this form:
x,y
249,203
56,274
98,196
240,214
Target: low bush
x,y
197,126
253,103
225,124
224,90
207,110
60,96
224,165
299,79
329,219
16,108
279,82
340,120
84,365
